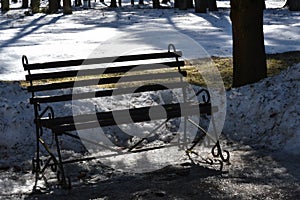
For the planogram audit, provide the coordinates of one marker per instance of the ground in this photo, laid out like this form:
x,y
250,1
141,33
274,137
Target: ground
x,y
252,174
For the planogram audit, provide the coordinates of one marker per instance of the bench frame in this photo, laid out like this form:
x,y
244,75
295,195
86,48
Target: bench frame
x,y
45,118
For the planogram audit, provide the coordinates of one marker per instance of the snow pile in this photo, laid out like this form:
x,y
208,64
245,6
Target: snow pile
x,y
16,127
13,110
267,113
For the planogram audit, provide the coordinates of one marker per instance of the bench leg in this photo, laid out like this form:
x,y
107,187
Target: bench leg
x,y
61,173
36,163
216,150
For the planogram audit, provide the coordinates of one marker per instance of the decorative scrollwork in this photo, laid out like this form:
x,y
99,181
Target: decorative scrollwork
x,y
171,46
205,95
48,110
24,60
54,167
216,151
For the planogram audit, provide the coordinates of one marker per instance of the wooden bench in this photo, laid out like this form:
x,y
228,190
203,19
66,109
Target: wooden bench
x,y
153,71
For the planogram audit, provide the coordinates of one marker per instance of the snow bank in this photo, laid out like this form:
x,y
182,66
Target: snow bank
x,y
16,128
266,114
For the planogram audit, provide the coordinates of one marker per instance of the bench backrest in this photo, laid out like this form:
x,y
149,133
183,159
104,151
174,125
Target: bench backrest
x,y
103,74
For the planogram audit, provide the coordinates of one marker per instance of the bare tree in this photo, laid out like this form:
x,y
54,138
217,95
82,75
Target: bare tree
x,y
212,5
249,58
4,5
156,3
79,2
25,3
113,4
294,5
190,4
53,6
35,6
201,6
176,3
67,7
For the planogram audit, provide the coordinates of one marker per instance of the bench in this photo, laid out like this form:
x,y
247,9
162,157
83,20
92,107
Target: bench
x,y
105,77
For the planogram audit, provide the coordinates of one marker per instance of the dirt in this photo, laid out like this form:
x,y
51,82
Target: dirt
x,y
251,174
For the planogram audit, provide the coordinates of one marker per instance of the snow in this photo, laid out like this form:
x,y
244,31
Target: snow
x,y
40,36
264,114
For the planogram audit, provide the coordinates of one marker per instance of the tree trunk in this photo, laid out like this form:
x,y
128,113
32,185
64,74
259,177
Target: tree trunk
x,y
24,3
4,5
294,5
249,58
190,4
156,3
141,2
132,2
67,7
182,5
78,3
113,4
35,6
212,5
53,6
120,3
201,6
176,3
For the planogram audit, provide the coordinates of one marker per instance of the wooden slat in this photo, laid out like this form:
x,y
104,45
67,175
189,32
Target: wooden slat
x,y
104,93
103,81
99,71
62,124
68,63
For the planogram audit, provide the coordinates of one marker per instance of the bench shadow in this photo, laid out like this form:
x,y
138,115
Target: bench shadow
x,y
170,182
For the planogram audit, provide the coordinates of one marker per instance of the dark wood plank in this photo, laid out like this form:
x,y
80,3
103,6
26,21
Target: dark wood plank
x,y
107,92
103,81
70,123
100,71
91,61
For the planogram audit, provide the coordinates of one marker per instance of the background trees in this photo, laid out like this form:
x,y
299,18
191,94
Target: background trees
x,y
113,4
201,6
25,3
35,6
294,5
53,6
249,58
4,5
67,7
156,3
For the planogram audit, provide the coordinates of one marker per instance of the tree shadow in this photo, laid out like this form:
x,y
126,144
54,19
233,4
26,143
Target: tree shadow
x,y
29,28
